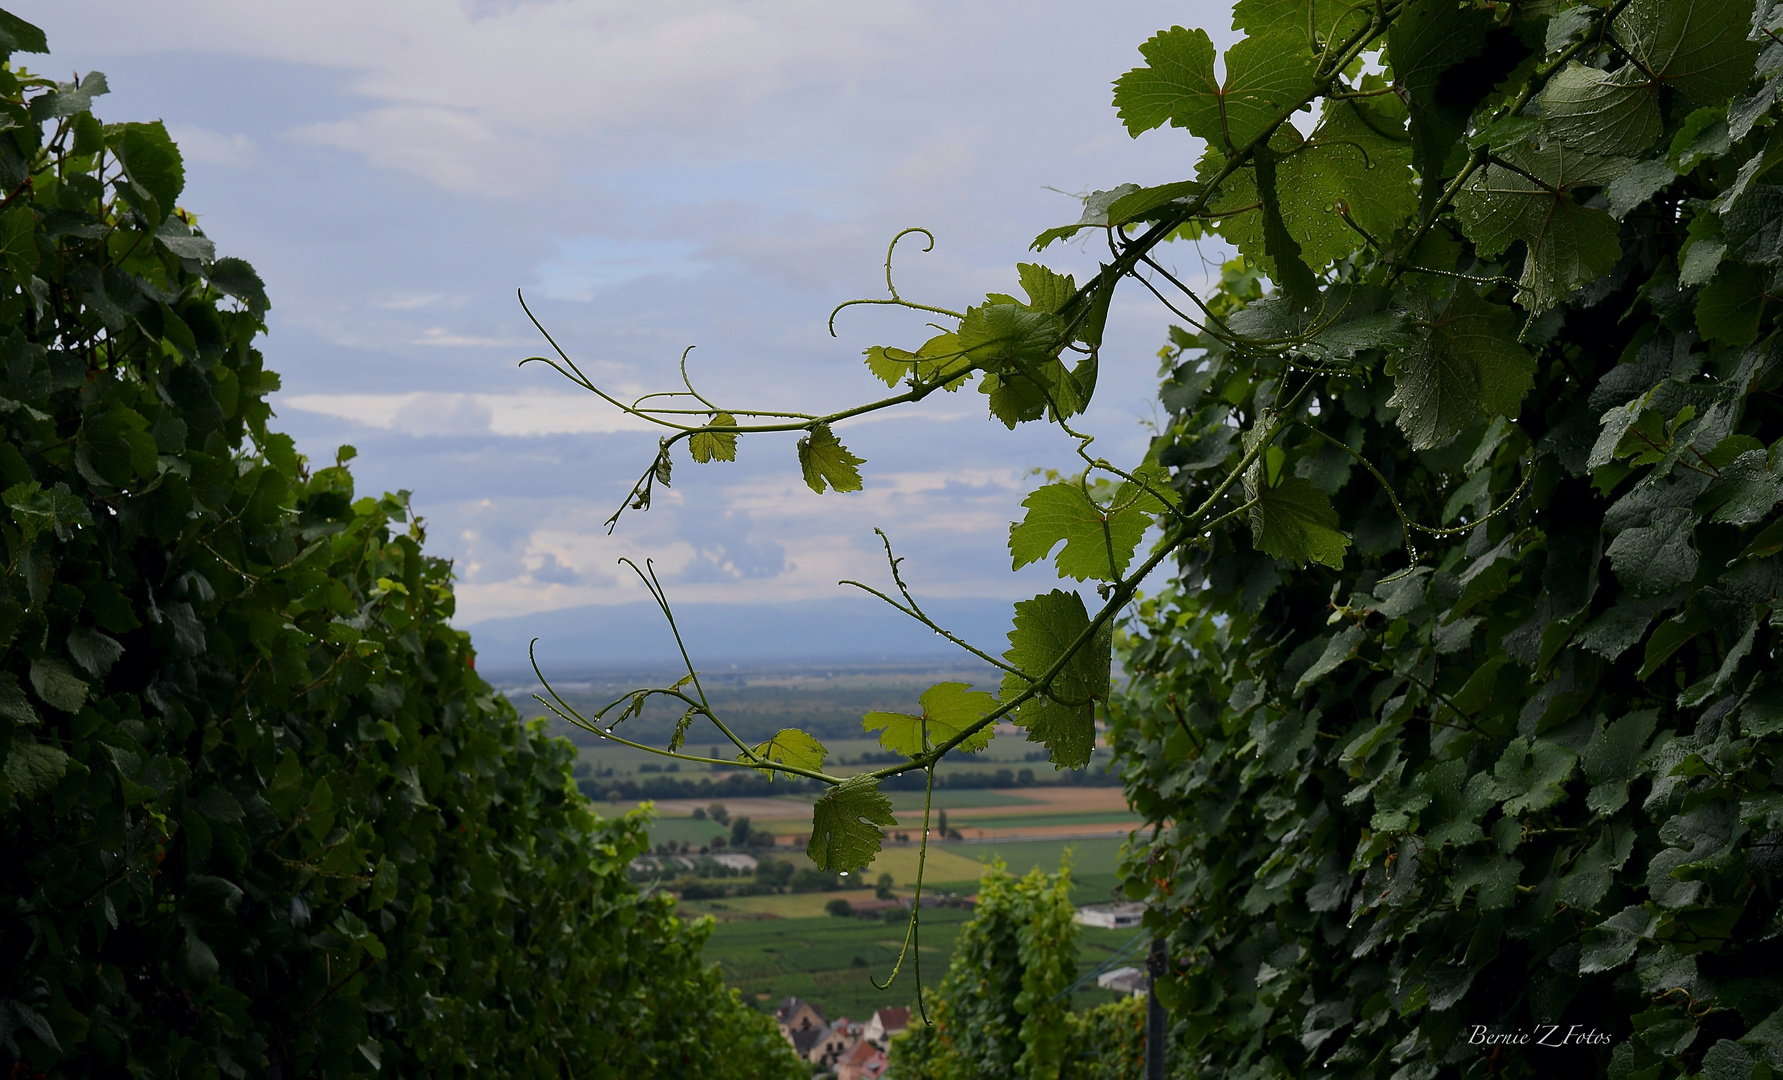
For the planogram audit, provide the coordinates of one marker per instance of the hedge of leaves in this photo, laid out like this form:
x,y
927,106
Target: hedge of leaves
x,y
1415,792
1001,1009
259,816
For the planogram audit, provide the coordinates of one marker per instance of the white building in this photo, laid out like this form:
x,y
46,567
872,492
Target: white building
x,y
1125,980
1110,916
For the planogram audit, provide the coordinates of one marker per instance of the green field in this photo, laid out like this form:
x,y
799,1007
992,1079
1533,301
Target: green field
x,y
1095,817
828,961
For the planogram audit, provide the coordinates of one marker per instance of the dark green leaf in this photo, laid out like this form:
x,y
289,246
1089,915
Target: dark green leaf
x,y
845,824
58,686
1294,520
152,163
1466,364
33,768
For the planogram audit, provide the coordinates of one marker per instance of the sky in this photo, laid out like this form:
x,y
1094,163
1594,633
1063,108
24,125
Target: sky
x,y
652,176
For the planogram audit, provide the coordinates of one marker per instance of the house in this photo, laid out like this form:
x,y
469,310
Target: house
x,y
828,1048
1124,980
863,1061
884,1024
735,860
1110,916
798,1015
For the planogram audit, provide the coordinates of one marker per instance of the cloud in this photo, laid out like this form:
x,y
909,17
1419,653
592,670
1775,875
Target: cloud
x,y
478,97
587,264
432,413
206,147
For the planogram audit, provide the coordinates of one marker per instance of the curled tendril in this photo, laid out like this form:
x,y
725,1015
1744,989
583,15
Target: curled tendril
x,y
895,300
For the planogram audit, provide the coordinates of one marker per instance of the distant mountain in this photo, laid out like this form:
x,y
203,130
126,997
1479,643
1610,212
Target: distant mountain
x,y
596,637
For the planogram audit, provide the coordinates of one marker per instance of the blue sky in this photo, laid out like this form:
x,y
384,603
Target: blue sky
x,y
716,173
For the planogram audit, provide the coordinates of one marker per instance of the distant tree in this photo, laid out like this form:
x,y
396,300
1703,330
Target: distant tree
x,y
839,907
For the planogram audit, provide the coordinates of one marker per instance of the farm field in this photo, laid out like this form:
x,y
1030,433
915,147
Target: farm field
x,y
829,961
978,814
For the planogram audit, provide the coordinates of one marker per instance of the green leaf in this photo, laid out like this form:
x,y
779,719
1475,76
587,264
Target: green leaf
x,y
152,163
1466,364
1602,112
234,277
1746,491
18,241
845,824
1294,520
1729,308
1099,540
58,686
1531,775
1654,559
1062,717
33,768
1325,20
1698,48
94,651
824,460
1289,267
1046,290
1265,77
1612,756
790,746
1590,876
1428,39
36,510
1530,198
715,445
17,35
947,709
890,366
14,706
1610,944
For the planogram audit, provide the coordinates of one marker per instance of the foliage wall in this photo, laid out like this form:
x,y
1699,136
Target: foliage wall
x,y
1514,772
1002,1008
258,812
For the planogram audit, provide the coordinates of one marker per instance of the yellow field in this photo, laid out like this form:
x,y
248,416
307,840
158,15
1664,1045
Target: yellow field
x,y
900,863
782,906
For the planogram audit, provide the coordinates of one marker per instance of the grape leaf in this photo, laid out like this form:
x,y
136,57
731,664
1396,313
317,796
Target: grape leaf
x,y
1062,718
1099,540
1047,291
1466,363
1602,112
790,746
1326,20
1698,48
152,162
1265,77
33,768
1729,308
1651,560
947,709
1425,41
715,445
1531,776
1355,158
823,459
1747,489
1294,520
57,685
845,824
1529,198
